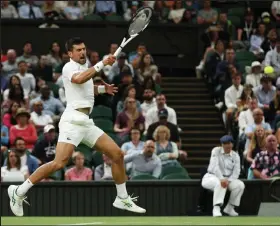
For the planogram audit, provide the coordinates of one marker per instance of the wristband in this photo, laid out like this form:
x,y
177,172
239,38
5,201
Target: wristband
x,y
101,89
99,66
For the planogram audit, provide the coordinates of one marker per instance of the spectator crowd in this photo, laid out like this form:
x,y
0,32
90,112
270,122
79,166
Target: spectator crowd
x,y
241,65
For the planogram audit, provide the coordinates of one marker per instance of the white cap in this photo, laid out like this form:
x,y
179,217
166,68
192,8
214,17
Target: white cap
x,y
256,64
265,14
47,128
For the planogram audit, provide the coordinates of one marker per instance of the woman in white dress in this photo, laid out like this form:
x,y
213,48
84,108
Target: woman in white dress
x,y
13,171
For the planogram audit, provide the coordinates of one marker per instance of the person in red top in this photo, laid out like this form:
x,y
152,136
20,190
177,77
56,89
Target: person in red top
x,y
9,118
23,129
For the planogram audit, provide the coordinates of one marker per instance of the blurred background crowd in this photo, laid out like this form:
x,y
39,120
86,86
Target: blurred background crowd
x,y
241,64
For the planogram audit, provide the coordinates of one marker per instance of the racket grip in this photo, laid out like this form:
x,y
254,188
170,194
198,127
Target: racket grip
x,y
118,51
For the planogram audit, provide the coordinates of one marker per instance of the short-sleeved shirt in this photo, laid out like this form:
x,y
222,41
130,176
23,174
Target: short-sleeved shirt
x,y
206,15
267,163
73,175
14,174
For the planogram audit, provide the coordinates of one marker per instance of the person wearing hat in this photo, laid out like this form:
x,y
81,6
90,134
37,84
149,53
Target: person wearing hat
x,y
44,149
272,58
23,129
222,175
254,78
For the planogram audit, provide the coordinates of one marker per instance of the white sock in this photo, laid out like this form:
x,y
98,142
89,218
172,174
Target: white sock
x,y
121,191
23,188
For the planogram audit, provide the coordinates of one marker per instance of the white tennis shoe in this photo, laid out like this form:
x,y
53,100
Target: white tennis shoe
x,y
16,201
128,204
230,211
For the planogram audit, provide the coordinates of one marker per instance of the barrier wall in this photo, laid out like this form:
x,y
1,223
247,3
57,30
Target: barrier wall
x,y
164,42
160,198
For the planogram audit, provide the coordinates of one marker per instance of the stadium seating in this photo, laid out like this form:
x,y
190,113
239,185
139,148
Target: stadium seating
x,y
176,176
104,124
143,177
93,17
114,18
102,112
172,170
97,158
235,20
239,12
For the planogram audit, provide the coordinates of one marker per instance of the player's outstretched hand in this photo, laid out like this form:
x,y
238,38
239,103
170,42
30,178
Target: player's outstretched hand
x,y
109,60
110,89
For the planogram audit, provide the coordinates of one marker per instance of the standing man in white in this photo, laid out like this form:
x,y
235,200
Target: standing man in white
x,y
75,127
223,174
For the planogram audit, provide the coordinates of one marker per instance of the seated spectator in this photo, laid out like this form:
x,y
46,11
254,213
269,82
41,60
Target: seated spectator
x,y
104,9
87,7
177,11
73,11
54,56
131,11
149,101
112,50
14,80
9,118
39,118
265,93
266,163
246,118
166,150
145,162
246,30
14,171
232,94
44,148
274,108
43,69
26,158
27,80
270,41
265,18
256,146
78,172
163,116
135,57
147,68
258,121
58,69
130,117
189,16
149,83
275,10
132,146
272,58
23,129
93,57
52,106
15,95
152,114
10,66
104,171
257,39
29,11
254,78
207,15
50,18
49,6
119,67
40,82
27,56
130,92
161,12
4,136
223,173
8,10
225,25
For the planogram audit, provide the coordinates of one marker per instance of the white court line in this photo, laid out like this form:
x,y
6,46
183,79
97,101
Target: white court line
x,y
92,223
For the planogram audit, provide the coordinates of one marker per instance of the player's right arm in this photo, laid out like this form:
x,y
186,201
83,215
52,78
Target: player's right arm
x,y
82,77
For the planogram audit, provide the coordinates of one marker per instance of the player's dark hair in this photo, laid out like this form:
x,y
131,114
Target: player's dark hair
x,y
71,42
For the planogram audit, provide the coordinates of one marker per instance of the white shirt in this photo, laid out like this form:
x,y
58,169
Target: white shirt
x,y
41,120
77,95
23,160
13,175
145,106
152,116
224,165
28,82
231,96
245,118
254,79
272,58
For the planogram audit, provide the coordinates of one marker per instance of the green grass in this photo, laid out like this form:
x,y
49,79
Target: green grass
x,y
140,221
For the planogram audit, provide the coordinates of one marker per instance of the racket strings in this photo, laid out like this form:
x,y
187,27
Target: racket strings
x,y
140,21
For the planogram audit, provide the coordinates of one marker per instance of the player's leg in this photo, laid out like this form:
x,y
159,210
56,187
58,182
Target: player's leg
x,y
17,193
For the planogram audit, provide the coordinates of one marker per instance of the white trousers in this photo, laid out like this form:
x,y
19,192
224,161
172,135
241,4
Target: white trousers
x,y
213,183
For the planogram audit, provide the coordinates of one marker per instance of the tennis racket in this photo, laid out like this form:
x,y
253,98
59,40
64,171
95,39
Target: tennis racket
x,y
138,24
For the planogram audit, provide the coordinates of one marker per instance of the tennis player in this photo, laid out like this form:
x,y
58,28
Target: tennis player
x,y
75,127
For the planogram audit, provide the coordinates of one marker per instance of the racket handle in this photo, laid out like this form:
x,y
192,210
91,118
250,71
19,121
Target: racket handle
x,y
118,51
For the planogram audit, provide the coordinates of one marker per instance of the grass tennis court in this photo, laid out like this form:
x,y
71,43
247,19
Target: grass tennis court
x,y
140,221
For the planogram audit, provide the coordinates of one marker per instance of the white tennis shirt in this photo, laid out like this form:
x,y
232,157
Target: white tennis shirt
x,y
77,95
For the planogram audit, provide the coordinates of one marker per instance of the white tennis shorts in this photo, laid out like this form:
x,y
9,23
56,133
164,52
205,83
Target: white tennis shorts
x,y
76,127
